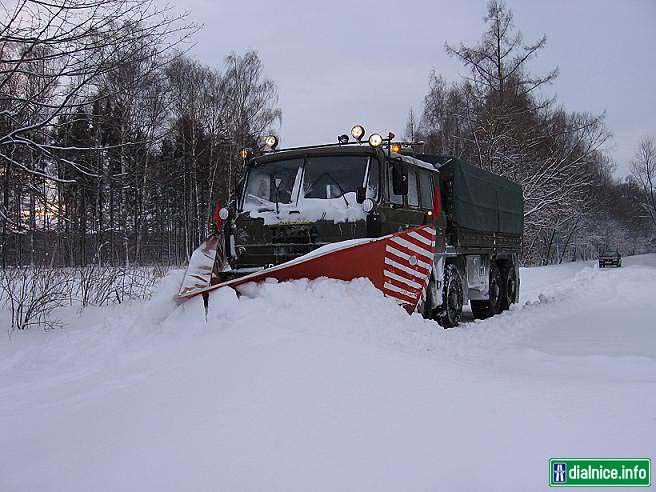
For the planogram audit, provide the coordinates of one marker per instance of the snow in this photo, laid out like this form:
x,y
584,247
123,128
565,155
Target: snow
x,y
326,385
310,210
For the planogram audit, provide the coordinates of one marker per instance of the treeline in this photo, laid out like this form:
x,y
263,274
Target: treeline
x,y
114,145
496,118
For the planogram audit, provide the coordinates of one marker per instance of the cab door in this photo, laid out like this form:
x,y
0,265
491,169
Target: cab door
x,y
401,209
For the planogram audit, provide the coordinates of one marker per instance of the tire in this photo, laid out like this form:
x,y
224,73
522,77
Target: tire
x,y
508,285
496,289
449,313
487,309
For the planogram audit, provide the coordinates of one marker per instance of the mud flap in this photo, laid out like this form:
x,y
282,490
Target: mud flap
x,y
434,290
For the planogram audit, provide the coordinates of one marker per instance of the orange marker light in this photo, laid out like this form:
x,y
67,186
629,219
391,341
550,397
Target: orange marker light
x,y
396,148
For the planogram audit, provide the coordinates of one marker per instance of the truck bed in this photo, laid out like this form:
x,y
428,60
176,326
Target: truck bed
x,y
479,200
484,211
468,241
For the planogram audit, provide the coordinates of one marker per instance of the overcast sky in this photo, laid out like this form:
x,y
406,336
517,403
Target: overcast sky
x,y
338,63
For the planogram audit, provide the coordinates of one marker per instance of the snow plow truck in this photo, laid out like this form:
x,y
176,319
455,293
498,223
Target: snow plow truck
x,y
432,232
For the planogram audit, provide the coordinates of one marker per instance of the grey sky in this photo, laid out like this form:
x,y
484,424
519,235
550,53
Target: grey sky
x,y
337,63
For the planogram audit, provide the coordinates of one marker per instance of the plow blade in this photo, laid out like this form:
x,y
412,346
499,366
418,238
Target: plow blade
x,y
199,272
399,265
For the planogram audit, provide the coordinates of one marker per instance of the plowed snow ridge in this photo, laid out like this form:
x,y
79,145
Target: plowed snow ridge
x,y
328,385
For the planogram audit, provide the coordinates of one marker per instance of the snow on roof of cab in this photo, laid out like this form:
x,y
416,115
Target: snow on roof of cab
x,y
414,161
343,149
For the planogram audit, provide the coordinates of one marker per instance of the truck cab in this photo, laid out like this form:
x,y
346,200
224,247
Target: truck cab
x,y
297,200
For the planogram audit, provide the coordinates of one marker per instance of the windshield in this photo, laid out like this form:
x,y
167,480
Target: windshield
x,y
332,177
271,183
299,184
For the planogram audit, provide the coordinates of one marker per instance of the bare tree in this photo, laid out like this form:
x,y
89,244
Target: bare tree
x,y
497,119
412,127
57,61
53,54
498,61
643,170
253,105
32,295
213,114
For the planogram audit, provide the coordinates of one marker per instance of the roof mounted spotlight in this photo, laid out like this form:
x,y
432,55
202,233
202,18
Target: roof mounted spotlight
x,y
271,141
358,132
343,139
375,140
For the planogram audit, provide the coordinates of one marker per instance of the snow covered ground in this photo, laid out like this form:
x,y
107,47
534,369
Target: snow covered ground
x,y
329,386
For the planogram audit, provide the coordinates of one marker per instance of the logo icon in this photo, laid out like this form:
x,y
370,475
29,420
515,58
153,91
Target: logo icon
x,y
559,472
599,472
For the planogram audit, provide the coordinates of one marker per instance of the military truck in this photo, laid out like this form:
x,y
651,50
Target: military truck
x,y
296,200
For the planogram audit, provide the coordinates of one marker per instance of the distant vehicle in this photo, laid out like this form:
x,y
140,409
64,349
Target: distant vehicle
x,y
610,257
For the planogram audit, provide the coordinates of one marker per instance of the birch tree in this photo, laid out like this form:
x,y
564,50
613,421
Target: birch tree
x,y
643,170
74,43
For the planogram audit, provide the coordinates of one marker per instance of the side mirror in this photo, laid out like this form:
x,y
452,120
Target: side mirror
x,y
360,194
399,179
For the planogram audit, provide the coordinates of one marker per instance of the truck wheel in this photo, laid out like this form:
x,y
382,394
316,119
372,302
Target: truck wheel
x,y
508,286
496,289
486,309
449,313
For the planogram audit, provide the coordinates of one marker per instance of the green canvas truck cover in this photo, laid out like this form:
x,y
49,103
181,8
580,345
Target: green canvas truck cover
x,y
482,201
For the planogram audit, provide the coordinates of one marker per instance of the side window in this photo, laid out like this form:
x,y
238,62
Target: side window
x,y
413,194
373,179
426,188
396,199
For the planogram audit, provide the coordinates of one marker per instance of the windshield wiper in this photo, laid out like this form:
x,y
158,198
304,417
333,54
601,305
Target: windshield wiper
x,y
329,176
266,203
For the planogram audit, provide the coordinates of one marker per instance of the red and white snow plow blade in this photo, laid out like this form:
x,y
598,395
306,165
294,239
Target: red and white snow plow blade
x,y
399,264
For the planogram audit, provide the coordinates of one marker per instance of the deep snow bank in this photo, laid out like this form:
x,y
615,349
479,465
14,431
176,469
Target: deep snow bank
x,y
328,385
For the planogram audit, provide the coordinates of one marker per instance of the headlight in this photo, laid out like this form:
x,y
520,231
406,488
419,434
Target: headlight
x,y
358,132
224,213
271,142
368,205
375,140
